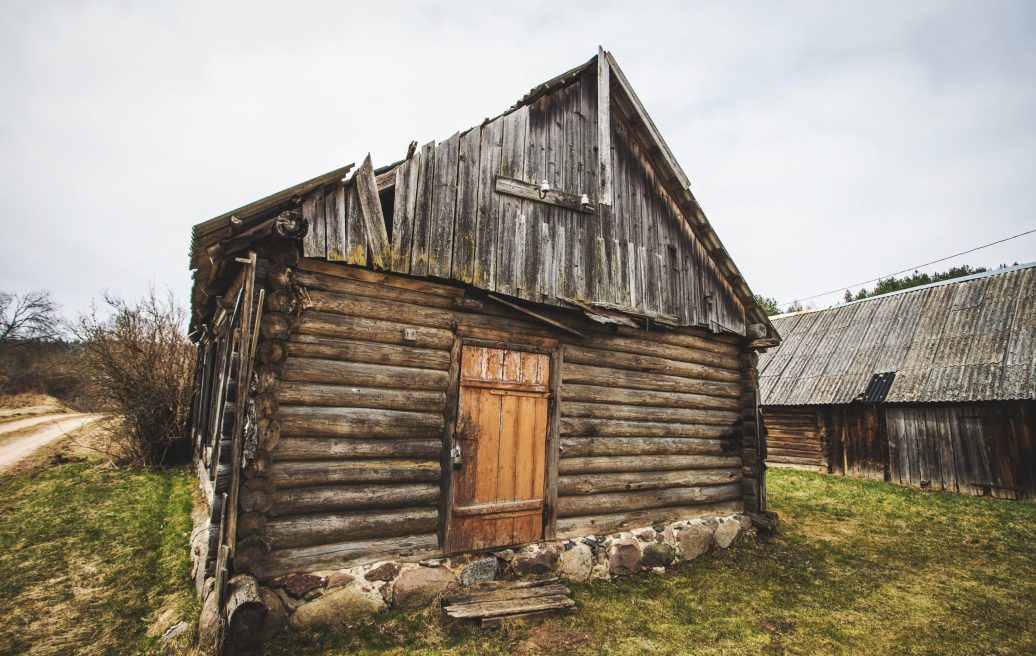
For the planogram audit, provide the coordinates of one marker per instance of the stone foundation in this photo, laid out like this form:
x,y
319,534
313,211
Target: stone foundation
x,y
310,601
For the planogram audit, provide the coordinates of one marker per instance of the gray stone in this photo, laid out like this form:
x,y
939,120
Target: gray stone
x,y
339,578
505,555
339,604
600,572
484,569
746,523
418,587
659,554
645,534
624,557
668,535
727,532
174,631
694,540
536,560
576,563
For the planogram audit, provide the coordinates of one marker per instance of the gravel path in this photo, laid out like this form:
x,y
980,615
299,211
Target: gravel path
x,y
50,429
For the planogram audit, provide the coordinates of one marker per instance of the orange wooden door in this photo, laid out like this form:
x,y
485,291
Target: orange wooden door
x,y
502,436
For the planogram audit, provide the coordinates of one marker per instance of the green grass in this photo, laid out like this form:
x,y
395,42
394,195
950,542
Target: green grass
x,y
858,568
93,561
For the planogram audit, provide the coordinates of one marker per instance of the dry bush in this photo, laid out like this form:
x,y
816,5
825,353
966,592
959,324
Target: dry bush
x,y
137,363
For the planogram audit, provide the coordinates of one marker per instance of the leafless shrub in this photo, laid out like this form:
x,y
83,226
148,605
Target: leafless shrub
x,y
138,363
28,318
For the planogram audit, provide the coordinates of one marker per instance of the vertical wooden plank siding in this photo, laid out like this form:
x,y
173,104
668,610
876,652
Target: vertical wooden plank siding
x,y
356,239
444,208
403,213
464,234
423,211
334,220
313,245
373,219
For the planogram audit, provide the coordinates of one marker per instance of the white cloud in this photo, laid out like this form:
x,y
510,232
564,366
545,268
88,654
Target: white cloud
x,y
828,142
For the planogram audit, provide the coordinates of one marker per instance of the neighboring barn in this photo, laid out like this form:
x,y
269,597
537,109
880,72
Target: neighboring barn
x,y
526,332
932,387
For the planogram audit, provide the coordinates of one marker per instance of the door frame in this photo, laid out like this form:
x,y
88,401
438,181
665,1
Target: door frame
x,y
512,342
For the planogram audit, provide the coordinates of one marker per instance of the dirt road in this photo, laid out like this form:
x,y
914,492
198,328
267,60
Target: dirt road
x,y
49,429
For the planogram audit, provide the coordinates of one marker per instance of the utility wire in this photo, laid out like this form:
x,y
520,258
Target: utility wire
x,y
913,268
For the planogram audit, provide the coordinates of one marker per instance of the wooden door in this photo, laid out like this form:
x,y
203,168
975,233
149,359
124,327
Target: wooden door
x,y
502,435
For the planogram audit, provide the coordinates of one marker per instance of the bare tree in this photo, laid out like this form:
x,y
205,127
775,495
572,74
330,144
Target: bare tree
x,y
28,318
139,362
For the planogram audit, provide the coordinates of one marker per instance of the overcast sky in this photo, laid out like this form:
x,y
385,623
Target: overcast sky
x,y
827,142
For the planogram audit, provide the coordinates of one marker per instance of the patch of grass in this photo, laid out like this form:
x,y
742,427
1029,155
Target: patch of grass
x,y
858,567
91,557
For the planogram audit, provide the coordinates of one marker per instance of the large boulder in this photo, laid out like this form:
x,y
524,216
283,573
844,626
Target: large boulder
x,y
575,564
536,560
337,605
727,532
624,556
694,540
659,554
483,569
419,586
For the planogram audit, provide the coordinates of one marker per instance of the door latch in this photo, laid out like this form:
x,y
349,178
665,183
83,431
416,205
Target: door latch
x,y
455,458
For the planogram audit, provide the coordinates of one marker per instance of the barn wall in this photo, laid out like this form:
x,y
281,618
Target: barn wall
x,y
982,448
650,423
794,438
972,448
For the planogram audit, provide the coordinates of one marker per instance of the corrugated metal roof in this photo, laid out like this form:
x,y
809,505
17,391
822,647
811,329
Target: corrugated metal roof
x,y
969,339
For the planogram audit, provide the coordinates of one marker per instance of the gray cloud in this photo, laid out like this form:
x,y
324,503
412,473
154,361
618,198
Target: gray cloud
x,y
828,142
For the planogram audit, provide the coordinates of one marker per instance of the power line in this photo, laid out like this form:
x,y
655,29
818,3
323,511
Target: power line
x,y
913,268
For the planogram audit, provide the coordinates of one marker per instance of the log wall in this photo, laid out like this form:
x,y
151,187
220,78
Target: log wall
x,y
651,424
794,439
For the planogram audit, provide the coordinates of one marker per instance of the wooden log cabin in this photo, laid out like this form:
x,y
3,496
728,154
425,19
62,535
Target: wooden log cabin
x,y
528,331
931,387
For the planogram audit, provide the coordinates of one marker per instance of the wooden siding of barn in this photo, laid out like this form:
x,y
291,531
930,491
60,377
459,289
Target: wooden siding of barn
x,y
634,252
983,448
653,425
794,438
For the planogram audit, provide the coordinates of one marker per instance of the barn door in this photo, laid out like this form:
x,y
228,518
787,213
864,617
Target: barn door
x,y
500,448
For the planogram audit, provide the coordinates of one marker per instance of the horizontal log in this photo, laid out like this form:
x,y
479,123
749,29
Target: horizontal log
x,y
690,338
287,475
622,482
272,351
325,448
649,413
335,498
359,422
575,426
345,396
648,363
595,393
796,460
321,281
640,346
644,446
373,330
644,463
251,523
582,374
374,308
385,310
256,495
572,527
326,528
379,278
345,554
314,370
348,350
576,506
